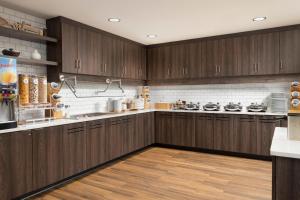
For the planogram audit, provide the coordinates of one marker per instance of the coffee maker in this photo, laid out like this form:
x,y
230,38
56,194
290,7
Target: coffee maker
x,y
8,92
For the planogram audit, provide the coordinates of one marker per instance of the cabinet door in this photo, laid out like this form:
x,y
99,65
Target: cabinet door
x,y
267,53
140,138
289,51
242,51
149,127
69,42
183,130
265,128
204,131
196,59
212,59
119,70
153,64
178,61
74,141
142,70
163,126
226,64
223,134
5,167
47,156
245,134
21,163
129,134
96,143
115,138
131,59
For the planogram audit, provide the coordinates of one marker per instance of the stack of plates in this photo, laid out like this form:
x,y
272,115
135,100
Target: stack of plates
x,y
279,102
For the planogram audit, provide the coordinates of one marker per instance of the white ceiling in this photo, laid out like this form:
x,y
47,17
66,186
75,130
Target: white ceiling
x,y
171,20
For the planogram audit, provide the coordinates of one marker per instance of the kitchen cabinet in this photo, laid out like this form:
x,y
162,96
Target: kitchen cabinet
x,y
223,134
289,51
96,152
178,65
5,167
130,141
243,60
220,58
140,136
246,135
285,180
84,50
149,128
204,131
265,54
115,138
47,156
265,130
21,160
69,45
195,59
74,153
163,128
183,131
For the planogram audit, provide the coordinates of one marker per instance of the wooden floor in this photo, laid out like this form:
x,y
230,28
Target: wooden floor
x,y
160,173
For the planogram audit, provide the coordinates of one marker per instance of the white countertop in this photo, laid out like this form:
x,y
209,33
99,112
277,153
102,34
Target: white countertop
x,y
282,146
70,121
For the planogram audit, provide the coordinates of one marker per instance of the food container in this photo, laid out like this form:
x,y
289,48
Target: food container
x,y
162,105
117,105
42,89
295,104
295,95
24,89
295,86
33,90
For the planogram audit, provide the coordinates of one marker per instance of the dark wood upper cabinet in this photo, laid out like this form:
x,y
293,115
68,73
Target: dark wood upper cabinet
x,y
265,51
96,152
289,51
178,65
195,59
204,131
74,153
243,59
47,156
21,161
69,42
211,68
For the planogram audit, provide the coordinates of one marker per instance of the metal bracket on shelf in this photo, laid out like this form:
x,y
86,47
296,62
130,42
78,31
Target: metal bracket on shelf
x,y
73,87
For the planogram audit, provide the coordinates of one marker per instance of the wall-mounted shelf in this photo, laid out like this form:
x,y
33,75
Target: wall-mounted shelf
x,y
22,35
35,62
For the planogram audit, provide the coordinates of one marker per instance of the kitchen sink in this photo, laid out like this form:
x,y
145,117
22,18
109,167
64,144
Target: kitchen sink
x,y
87,115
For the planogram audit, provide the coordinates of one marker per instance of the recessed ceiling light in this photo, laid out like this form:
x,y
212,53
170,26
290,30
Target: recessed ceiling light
x,y
151,36
259,19
114,20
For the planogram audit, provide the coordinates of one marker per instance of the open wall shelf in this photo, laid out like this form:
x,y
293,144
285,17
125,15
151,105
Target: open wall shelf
x,y
36,62
22,35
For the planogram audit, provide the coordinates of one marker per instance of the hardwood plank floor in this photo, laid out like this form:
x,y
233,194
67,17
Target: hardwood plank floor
x,y
168,174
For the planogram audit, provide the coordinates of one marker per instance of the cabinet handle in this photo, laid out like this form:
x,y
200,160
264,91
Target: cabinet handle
x,y
79,64
216,69
281,65
76,63
29,134
186,71
219,69
257,68
105,68
168,71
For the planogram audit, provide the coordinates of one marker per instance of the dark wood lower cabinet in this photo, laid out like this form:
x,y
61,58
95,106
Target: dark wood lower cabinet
x,y
47,156
265,130
96,152
74,141
163,128
115,138
183,129
223,133
5,167
204,131
149,128
285,181
245,134
129,134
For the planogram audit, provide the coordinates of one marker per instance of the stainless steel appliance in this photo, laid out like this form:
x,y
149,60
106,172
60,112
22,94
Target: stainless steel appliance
x,y
233,107
255,107
8,92
211,106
